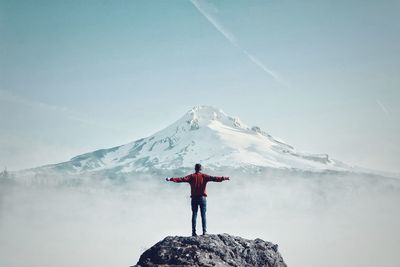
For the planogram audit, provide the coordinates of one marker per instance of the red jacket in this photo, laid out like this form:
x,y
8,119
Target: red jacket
x,y
198,182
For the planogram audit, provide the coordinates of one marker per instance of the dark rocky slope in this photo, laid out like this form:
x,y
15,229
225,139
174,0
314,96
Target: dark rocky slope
x,y
211,250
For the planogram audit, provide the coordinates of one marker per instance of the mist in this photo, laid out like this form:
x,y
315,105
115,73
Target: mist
x,y
317,220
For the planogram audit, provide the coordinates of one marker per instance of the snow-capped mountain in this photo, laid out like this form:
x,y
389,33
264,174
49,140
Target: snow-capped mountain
x,y
206,135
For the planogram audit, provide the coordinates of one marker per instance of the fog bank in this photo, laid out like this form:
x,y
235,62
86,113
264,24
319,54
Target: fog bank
x,y
317,221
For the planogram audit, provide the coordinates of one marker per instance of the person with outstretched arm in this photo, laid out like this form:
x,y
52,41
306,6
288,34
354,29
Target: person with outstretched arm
x,y
198,182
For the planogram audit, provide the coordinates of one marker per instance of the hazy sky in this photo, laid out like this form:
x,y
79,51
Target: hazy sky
x,y
81,75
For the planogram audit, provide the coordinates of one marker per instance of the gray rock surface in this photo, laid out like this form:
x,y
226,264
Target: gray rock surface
x,y
211,250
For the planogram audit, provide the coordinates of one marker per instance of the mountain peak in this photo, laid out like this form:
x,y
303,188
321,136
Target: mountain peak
x,y
205,135
203,115
206,110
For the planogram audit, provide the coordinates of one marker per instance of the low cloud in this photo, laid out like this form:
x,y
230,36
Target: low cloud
x,y
327,220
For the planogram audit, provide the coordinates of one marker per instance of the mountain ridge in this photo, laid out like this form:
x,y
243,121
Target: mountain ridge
x,y
204,134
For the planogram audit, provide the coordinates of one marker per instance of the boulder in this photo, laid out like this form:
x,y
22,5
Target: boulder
x,y
211,250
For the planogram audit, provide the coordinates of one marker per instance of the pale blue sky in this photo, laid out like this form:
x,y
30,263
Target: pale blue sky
x,y
82,75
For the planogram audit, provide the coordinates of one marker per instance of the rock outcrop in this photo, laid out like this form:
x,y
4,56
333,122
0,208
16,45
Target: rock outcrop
x,y
211,250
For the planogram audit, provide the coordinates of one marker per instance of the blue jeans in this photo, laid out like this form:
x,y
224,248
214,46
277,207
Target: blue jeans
x,y
196,202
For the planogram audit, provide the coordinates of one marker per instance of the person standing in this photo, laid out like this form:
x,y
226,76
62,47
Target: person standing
x,y
198,182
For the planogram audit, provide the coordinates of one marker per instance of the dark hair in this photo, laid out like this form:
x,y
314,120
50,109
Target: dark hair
x,y
197,167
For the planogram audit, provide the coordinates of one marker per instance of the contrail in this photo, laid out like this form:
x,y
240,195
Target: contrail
x,y
17,99
231,38
68,113
383,108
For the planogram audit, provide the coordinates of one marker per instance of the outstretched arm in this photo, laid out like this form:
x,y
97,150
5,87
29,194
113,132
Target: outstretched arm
x,y
216,178
185,179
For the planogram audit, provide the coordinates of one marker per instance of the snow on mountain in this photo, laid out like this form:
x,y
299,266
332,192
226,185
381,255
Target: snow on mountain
x,y
206,135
